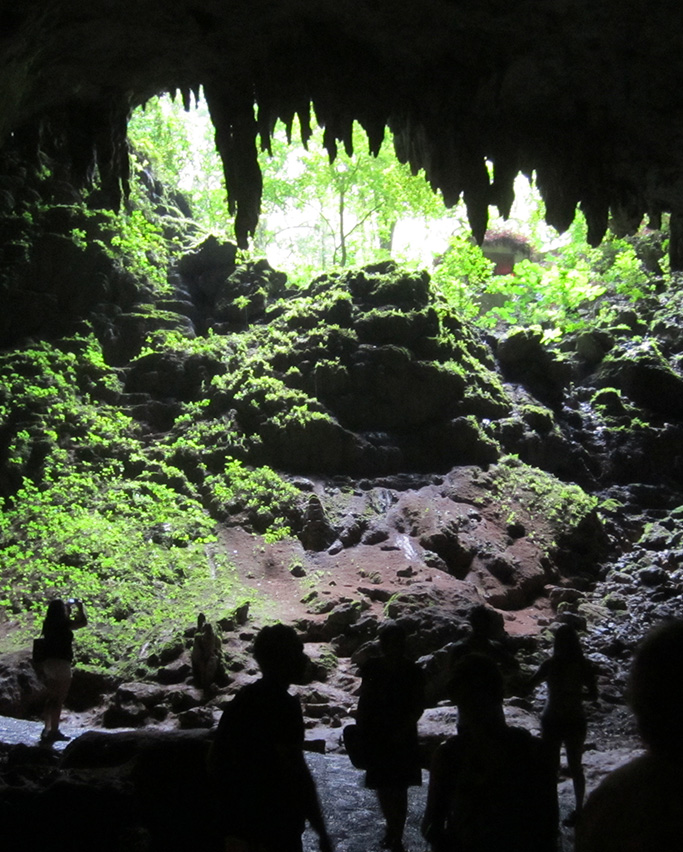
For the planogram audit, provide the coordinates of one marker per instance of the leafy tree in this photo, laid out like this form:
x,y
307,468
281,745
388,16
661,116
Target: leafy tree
x,y
179,147
350,206
319,212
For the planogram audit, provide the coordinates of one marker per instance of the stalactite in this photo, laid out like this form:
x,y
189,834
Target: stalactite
x,y
444,170
374,128
232,112
111,145
596,210
304,114
654,219
676,242
560,196
626,214
330,143
476,194
80,143
505,170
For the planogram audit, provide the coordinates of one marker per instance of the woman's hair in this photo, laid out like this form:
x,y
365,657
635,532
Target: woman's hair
x,y
392,638
656,688
56,615
567,643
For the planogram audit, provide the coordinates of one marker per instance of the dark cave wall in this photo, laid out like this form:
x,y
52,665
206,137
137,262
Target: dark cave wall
x,y
585,94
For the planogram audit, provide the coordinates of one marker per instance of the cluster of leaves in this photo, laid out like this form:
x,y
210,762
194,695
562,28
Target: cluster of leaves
x,y
265,497
319,214
134,551
559,295
90,512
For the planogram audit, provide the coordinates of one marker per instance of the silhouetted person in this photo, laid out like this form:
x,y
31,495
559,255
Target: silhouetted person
x,y
570,678
206,655
487,636
61,619
492,788
257,763
639,806
390,703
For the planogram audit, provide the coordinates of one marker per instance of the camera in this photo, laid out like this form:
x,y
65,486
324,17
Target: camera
x,y
73,602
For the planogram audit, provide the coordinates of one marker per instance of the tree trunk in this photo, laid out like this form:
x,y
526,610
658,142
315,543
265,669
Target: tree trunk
x,y
342,235
676,242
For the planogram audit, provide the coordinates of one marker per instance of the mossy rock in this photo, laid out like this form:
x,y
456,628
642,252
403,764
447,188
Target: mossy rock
x,y
523,358
400,328
206,267
388,284
644,376
538,418
575,537
166,375
610,402
240,309
390,390
312,444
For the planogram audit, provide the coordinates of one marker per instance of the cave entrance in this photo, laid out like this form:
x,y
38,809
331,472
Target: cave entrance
x,y
320,213
317,214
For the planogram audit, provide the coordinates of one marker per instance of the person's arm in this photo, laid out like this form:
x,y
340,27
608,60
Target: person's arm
x,y
312,810
79,619
540,675
590,680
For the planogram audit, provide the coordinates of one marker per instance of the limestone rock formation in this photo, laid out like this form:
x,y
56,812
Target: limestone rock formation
x,y
584,94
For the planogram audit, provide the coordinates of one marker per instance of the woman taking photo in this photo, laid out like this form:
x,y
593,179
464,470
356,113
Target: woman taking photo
x,y
60,621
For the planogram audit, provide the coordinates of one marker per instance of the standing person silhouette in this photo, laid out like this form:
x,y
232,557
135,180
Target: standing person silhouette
x,y
390,703
491,787
58,627
266,792
639,806
570,678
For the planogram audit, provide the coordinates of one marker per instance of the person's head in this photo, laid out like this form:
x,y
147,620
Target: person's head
x,y
477,686
57,614
485,622
656,688
392,640
566,643
279,652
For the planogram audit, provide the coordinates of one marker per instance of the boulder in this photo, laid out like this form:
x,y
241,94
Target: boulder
x,y
523,358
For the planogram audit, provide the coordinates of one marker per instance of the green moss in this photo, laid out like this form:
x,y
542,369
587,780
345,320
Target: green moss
x,y
562,504
538,417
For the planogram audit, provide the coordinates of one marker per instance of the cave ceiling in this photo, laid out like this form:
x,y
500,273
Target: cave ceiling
x,y
586,93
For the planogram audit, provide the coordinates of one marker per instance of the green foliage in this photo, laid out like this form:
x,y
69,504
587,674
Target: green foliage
x,y
462,274
539,493
269,502
95,513
137,239
560,295
136,552
179,147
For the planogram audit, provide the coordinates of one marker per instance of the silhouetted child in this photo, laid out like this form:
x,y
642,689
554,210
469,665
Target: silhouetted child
x,y
257,763
570,678
390,703
206,655
491,788
639,807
